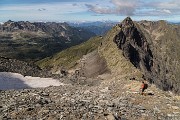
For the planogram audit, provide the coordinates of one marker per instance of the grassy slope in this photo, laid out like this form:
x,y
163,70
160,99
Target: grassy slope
x,y
69,57
116,62
27,46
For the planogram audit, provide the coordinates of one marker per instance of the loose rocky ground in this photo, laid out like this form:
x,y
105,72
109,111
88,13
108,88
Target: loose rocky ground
x,y
103,98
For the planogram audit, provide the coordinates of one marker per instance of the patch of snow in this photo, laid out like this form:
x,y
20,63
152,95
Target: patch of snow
x,y
17,81
63,34
64,27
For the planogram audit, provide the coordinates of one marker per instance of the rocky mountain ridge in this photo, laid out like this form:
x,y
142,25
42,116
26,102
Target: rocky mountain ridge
x,y
150,46
112,95
153,48
50,28
99,28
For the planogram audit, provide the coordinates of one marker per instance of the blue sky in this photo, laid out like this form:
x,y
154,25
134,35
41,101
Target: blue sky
x,y
89,10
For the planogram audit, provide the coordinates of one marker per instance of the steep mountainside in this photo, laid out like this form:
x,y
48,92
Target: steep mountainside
x,y
69,58
34,41
99,54
153,47
116,59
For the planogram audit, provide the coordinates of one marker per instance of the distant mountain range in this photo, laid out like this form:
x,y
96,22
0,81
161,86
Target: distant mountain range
x,y
33,41
97,79
152,47
99,28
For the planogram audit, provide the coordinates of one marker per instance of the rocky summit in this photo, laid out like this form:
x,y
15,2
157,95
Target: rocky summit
x,y
105,83
153,47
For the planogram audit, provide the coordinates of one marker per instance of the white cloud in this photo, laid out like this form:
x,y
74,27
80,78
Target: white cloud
x,y
41,9
170,7
41,12
120,7
53,7
125,7
138,7
100,9
170,4
166,11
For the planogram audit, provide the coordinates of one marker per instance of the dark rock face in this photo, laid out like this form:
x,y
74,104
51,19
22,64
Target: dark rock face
x,y
148,48
134,45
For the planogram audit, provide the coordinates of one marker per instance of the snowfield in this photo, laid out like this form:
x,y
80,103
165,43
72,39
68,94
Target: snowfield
x,y
17,81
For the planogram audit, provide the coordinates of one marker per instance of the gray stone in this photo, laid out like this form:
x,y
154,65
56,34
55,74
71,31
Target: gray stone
x,y
111,117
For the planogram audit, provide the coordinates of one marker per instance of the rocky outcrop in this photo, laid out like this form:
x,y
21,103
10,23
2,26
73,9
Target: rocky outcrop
x,y
26,69
134,45
153,48
11,26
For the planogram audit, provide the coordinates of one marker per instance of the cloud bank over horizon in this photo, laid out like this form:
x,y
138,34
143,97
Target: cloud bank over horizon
x,y
94,10
138,7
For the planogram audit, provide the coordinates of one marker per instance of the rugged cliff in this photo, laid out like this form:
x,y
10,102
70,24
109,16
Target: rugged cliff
x,y
153,47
